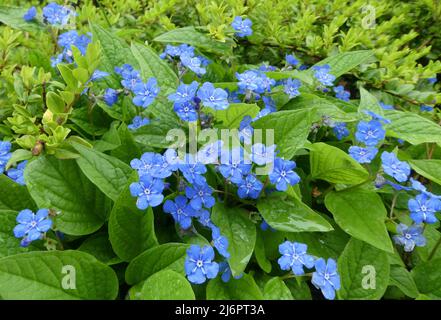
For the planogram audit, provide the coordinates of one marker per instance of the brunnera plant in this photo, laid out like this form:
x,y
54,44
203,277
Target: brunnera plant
x,y
129,165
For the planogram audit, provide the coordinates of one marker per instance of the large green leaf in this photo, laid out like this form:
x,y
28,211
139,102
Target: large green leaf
x,y
412,127
232,116
153,66
360,213
431,169
9,244
276,289
131,231
244,288
98,245
108,173
191,36
13,17
291,129
42,275
427,276
14,196
167,285
166,256
240,231
343,62
369,102
291,215
60,185
334,165
402,279
364,271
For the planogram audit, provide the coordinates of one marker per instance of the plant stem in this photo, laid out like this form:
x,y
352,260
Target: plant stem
x,y
432,253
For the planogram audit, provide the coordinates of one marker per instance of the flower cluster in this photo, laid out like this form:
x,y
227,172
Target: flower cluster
x,y
295,258
68,40
242,27
187,58
323,76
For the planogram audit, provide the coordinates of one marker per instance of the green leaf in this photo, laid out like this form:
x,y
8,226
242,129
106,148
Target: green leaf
x,y
98,245
334,165
108,173
427,276
369,102
41,275
166,256
430,169
13,17
343,62
412,128
9,244
240,231
153,66
299,289
115,53
322,107
360,213
167,285
54,102
244,288
14,196
131,231
60,185
364,272
291,129
191,36
291,215
402,279
276,289
259,253
232,117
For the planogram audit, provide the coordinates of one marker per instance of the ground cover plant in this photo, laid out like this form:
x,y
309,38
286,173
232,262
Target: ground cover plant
x,y
220,150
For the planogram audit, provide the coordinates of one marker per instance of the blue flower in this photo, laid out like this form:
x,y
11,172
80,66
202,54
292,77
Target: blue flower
x,y
246,130
377,116
32,226
254,81
220,242
138,122
341,93
363,155
204,218
152,164
291,87
148,190
125,70
186,111
172,51
172,158
200,196
72,38
242,27
180,210
432,80
225,269
249,187
209,153
212,97
261,154
98,74
199,264
233,166
283,174
400,170
323,76
193,63
294,257
269,103
17,173
184,93
326,277
30,14
370,133
386,106
418,186
57,15
145,93
291,60
426,108
423,208
340,130
56,60
409,237
110,96
131,79
5,154
192,170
